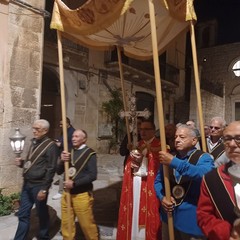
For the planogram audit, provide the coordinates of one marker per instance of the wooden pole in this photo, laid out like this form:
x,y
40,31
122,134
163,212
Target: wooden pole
x,y
197,85
123,93
160,111
64,126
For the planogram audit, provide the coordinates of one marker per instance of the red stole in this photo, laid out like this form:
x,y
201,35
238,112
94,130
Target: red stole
x,y
149,204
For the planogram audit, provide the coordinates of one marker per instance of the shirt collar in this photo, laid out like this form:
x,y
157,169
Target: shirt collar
x,y
82,146
188,153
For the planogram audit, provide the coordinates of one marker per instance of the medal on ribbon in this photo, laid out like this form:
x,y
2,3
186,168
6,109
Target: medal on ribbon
x,y
178,191
27,164
72,171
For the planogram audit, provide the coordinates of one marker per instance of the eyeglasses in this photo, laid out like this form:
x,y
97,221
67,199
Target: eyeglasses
x,y
215,128
37,129
228,139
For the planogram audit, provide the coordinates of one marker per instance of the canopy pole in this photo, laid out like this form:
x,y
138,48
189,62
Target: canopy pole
x,y
123,93
64,126
197,85
160,111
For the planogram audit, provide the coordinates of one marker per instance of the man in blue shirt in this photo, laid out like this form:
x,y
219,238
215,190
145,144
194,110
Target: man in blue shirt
x,y
186,170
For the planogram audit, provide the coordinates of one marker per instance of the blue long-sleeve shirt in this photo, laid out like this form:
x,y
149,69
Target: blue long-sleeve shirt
x,y
184,215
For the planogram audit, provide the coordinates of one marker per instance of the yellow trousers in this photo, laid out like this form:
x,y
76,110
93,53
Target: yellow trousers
x,y
82,208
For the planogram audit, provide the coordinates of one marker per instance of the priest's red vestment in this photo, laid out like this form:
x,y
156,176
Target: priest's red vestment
x,y
149,217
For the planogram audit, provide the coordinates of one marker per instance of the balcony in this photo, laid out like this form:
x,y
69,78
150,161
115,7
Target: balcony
x,y
142,73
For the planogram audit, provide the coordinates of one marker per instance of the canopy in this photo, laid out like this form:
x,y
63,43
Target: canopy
x,y
94,15
130,28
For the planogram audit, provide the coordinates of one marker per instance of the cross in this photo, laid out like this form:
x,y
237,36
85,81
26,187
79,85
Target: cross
x,y
133,114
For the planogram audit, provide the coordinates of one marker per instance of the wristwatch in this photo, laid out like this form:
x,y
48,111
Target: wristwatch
x,y
44,191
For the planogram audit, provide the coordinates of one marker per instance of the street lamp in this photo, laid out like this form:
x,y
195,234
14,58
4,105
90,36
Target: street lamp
x,y
234,173
17,142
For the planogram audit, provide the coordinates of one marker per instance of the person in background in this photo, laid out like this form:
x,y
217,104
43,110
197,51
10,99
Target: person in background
x,y
38,172
138,212
59,142
192,125
206,131
186,170
215,144
125,147
216,206
82,172
170,130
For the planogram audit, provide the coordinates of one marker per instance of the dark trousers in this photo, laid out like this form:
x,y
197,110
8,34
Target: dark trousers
x,y
28,199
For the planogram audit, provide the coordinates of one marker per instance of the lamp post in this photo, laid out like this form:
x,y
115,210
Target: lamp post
x,y
17,142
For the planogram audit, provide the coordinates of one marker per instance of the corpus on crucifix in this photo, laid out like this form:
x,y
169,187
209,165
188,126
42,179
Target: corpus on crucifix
x,y
133,114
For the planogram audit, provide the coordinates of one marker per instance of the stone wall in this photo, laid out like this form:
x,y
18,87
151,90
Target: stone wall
x,y
215,67
22,40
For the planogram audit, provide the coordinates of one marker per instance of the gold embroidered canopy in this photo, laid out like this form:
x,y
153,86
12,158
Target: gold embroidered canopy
x,y
103,24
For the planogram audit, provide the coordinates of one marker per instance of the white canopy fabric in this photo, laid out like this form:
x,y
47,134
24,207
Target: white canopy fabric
x,y
130,30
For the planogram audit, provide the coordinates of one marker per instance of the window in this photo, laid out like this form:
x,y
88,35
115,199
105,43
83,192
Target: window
x,y
236,68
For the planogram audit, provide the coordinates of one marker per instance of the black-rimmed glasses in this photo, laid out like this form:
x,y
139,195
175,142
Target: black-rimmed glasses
x,y
227,139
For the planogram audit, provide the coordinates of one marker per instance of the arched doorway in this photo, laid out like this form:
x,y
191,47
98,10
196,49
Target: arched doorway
x,y
145,100
51,101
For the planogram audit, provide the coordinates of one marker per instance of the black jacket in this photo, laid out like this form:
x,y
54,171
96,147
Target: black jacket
x,y
43,170
83,180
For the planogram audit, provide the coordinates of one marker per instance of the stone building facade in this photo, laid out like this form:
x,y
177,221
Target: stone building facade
x,y
220,87
29,80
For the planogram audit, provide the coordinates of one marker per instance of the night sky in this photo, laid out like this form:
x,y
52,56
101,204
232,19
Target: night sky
x,y
227,13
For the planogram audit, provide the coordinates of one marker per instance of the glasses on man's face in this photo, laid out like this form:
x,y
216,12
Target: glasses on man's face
x,y
37,129
214,128
227,139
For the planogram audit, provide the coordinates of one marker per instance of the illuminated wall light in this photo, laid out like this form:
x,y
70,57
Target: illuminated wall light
x,y
236,68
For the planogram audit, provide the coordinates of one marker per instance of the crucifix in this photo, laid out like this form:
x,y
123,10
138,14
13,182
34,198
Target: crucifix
x,y
133,114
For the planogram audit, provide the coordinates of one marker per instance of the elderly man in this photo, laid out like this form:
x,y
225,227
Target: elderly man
x,y
38,172
138,213
215,212
186,170
82,172
214,141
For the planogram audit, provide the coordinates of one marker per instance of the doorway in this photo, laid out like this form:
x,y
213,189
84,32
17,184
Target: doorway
x,y
51,101
145,100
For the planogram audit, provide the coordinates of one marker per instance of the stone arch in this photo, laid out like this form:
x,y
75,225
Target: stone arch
x,y
236,90
51,100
